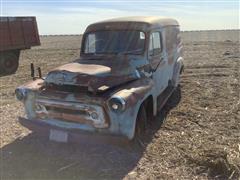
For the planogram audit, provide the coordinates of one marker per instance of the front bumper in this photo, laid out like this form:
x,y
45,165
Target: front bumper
x,y
73,135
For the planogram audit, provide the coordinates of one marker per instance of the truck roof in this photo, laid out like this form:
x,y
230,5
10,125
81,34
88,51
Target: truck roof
x,y
134,22
17,18
152,20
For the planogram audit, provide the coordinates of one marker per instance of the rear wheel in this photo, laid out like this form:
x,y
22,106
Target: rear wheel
x,y
9,62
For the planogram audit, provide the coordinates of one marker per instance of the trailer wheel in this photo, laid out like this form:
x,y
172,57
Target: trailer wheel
x,y
141,123
9,62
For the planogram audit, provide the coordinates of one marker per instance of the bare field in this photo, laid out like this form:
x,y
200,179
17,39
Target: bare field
x,y
195,136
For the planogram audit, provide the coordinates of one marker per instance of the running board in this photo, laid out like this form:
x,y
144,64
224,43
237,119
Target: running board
x,y
163,97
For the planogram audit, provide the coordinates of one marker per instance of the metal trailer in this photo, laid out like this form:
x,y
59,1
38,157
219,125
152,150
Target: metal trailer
x,y
16,34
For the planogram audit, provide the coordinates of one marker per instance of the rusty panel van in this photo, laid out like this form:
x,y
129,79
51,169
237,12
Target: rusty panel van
x,y
127,69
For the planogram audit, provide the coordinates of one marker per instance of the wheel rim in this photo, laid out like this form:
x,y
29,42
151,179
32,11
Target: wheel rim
x,y
9,65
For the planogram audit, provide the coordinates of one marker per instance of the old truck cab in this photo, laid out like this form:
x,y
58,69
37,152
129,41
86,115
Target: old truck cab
x,y
128,67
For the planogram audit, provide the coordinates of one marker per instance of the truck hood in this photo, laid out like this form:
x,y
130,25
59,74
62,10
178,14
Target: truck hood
x,y
96,77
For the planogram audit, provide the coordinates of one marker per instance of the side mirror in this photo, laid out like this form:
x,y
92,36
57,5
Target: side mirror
x,y
39,72
32,71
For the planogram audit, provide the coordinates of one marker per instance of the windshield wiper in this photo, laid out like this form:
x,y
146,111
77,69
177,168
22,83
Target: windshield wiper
x,y
136,51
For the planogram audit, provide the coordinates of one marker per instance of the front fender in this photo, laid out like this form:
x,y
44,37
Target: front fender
x,y
30,90
134,94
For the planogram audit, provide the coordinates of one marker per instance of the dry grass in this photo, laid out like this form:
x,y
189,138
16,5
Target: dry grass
x,y
195,136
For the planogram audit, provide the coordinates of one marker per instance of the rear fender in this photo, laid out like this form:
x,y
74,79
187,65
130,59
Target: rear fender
x,y
178,67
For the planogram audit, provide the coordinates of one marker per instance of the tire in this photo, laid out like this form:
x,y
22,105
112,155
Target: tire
x,y
9,62
141,123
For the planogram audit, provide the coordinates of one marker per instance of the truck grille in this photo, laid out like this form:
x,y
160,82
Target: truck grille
x,y
72,112
67,88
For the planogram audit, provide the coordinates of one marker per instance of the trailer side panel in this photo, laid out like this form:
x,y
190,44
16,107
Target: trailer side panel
x,y
18,33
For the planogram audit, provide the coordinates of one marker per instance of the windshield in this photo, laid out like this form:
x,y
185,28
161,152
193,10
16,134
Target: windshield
x,y
114,42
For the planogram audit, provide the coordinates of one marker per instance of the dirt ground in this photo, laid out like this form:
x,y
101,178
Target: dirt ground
x,y
195,136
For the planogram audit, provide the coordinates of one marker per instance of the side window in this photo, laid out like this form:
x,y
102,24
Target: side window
x,y
90,46
155,47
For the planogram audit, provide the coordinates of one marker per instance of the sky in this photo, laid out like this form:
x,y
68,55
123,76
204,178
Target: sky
x,y
73,16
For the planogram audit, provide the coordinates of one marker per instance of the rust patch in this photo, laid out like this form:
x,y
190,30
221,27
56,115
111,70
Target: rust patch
x,y
34,85
75,112
65,117
89,69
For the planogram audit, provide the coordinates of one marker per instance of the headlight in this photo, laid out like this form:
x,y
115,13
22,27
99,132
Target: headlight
x,y
20,94
40,108
94,115
117,103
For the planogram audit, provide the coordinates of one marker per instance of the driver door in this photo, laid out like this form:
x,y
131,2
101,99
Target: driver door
x,y
157,61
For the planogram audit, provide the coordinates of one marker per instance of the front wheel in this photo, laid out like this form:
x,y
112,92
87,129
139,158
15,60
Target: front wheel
x,y
141,123
9,62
